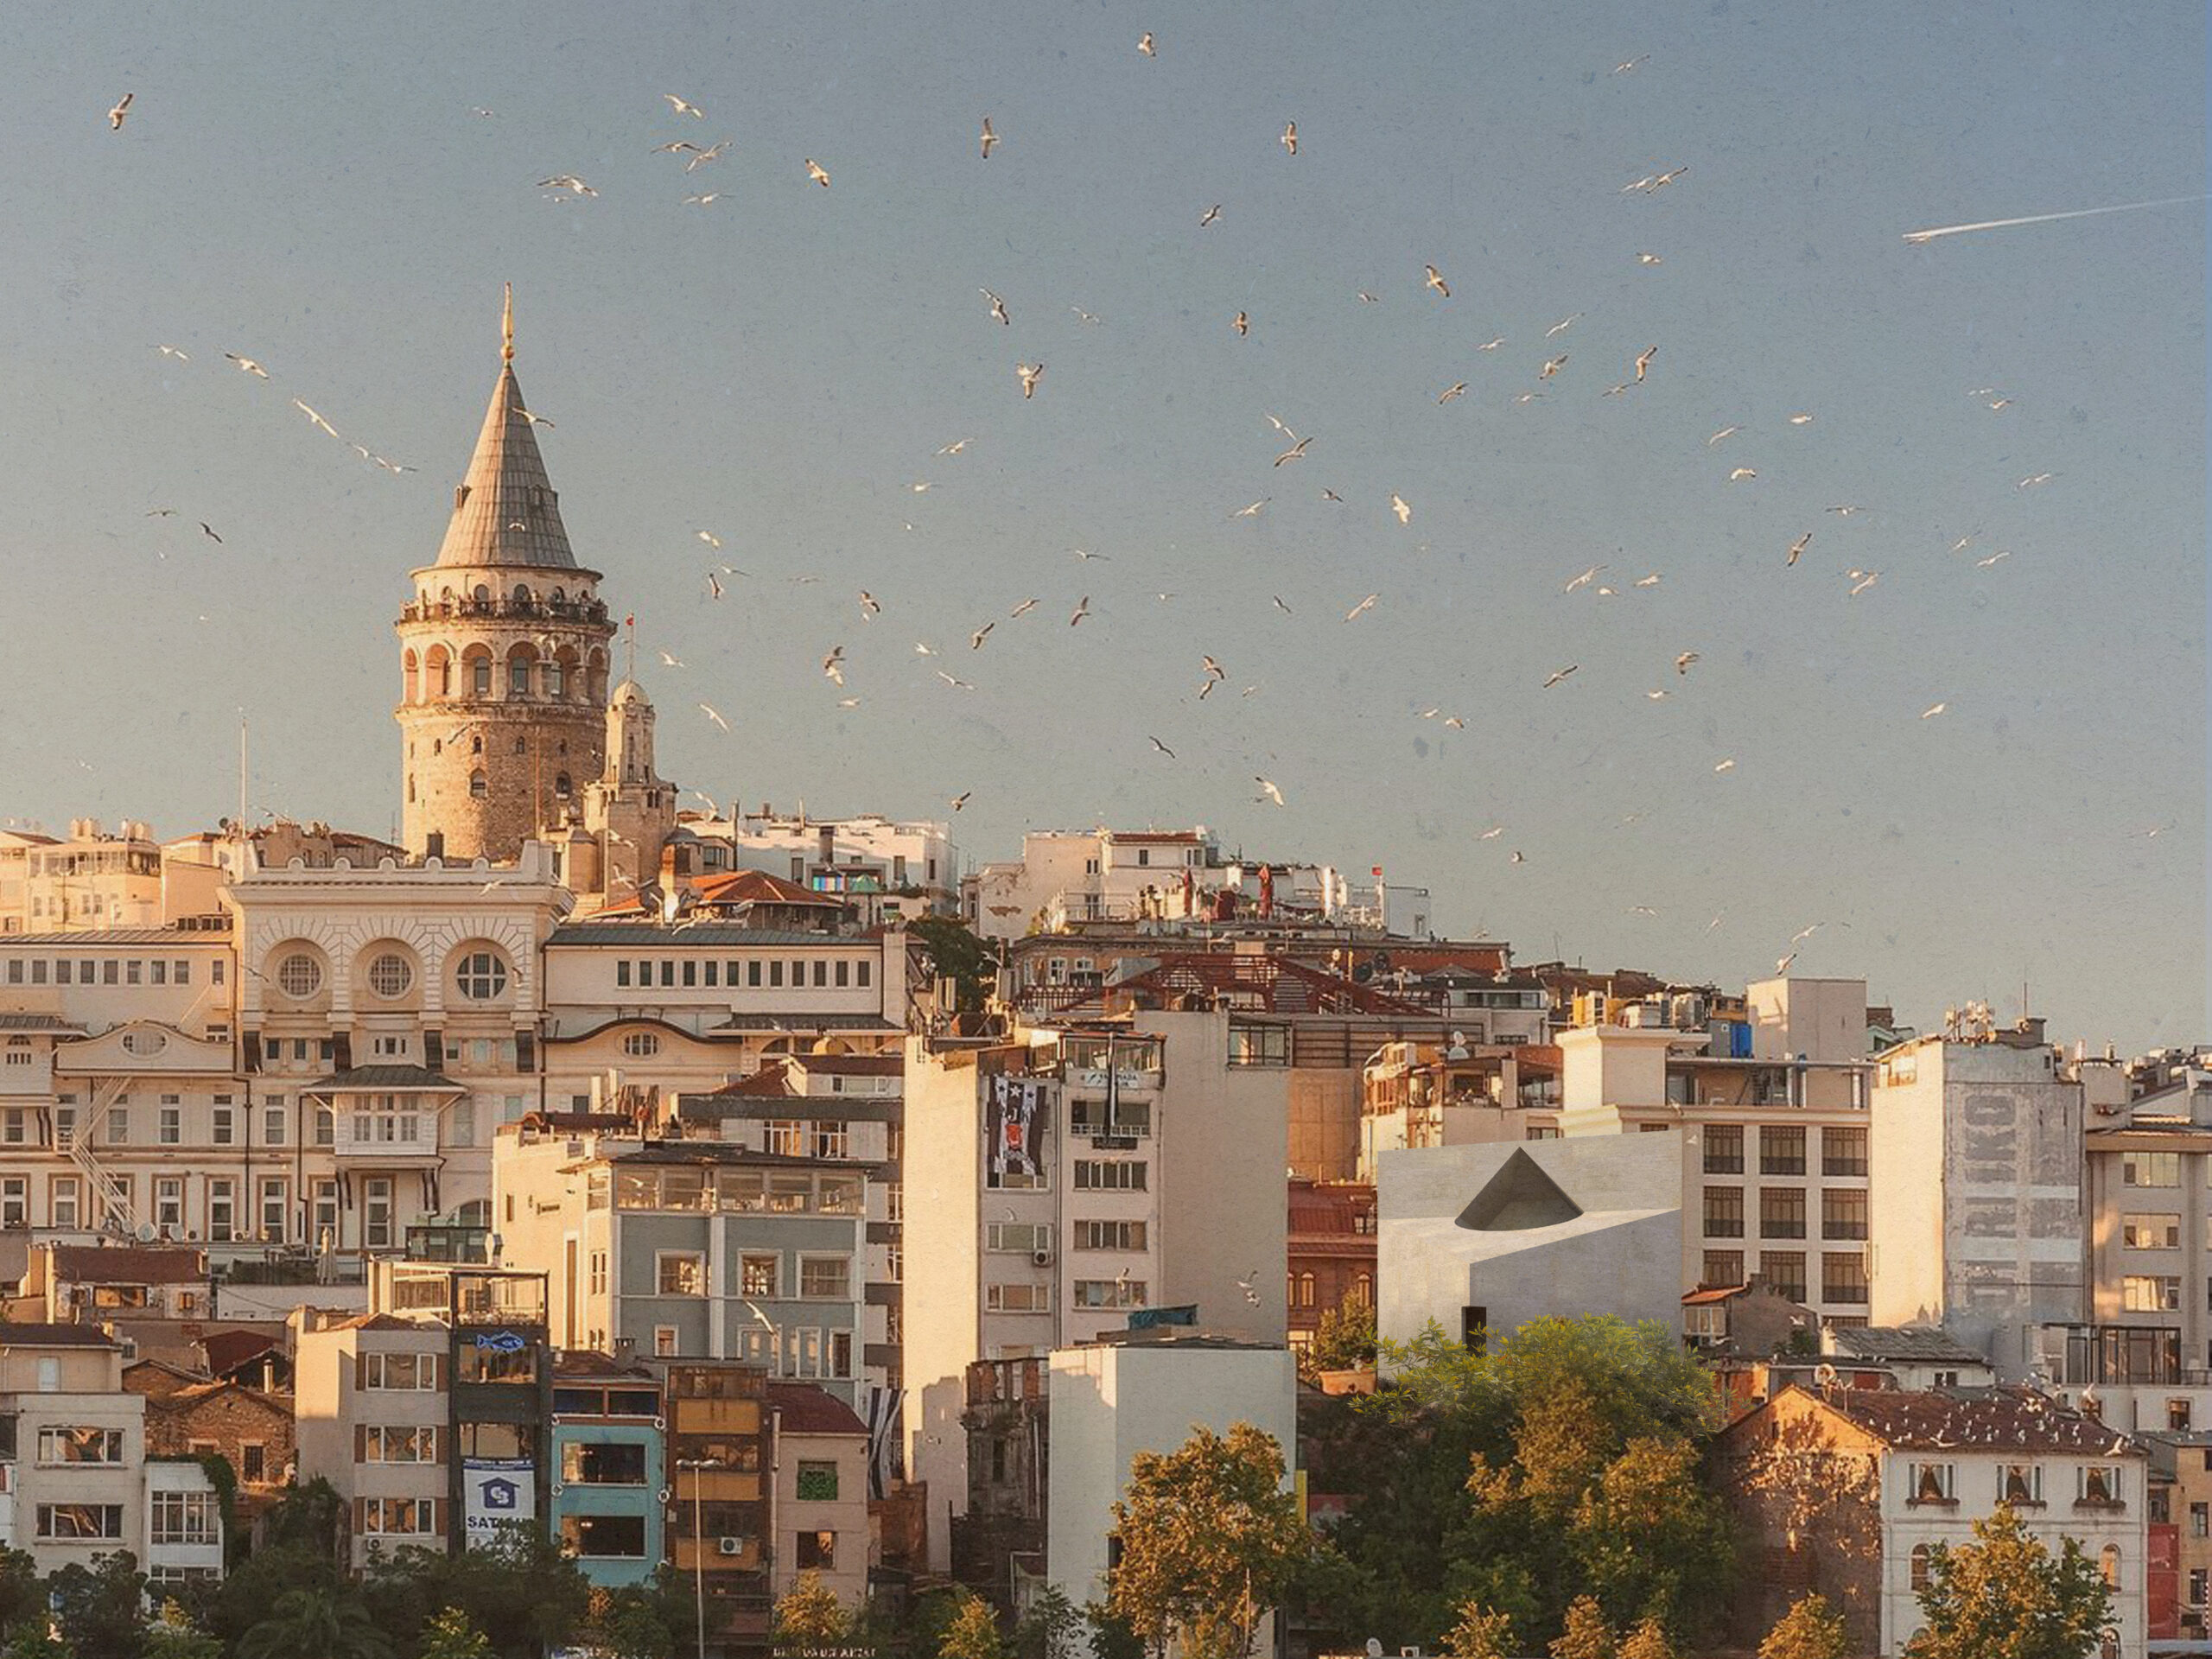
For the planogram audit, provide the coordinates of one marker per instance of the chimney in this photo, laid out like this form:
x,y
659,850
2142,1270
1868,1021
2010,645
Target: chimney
x,y
825,845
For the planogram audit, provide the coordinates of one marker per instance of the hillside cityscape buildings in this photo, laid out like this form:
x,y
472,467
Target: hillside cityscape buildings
x,y
639,1174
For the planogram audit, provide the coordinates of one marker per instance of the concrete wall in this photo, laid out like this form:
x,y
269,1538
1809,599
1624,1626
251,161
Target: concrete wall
x,y
844,1516
1620,1256
1109,1403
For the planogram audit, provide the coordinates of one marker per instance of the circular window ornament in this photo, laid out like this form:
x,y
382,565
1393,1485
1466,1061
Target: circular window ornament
x,y
143,1044
299,975
390,975
641,1045
483,976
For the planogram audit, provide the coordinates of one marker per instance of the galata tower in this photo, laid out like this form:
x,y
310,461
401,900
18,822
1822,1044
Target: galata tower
x,y
503,654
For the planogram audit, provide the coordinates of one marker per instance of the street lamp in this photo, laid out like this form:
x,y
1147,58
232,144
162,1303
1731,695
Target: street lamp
x,y
699,1466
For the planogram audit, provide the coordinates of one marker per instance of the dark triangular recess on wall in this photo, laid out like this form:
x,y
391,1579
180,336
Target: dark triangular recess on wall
x,y
1519,1197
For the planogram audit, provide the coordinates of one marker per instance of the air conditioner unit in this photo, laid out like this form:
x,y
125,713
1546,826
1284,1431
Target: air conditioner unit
x,y
1040,1259
729,1546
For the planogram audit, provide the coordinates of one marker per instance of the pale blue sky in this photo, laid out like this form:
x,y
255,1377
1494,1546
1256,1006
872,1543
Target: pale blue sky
x,y
309,187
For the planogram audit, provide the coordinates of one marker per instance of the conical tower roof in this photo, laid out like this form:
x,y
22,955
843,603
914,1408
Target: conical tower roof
x,y
505,512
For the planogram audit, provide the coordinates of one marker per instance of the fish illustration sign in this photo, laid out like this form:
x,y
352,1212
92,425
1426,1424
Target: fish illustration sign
x,y
495,1490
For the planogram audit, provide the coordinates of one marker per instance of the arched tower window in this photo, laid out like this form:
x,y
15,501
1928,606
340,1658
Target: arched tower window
x,y
520,661
479,787
556,679
562,787
411,789
411,676
437,672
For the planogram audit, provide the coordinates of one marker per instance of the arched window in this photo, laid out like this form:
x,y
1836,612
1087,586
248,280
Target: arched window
x,y
480,676
562,787
411,789
2108,1645
1306,1290
1363,1291
522,593
483,594
556,679
1921,1561
2108,1564
520,661
476,745
479,785
410,679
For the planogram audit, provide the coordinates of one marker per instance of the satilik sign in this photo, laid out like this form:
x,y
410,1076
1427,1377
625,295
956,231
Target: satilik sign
x,y
493,1491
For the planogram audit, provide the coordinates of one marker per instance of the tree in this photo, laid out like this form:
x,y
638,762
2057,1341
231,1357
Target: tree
x,y
973,1632
1345,1341
1649,1640
21,1597
34,1640
2004,1597
1652,1541
1480,1634
174,1636
516,1586
956,954
329,1625
629,1624
101,1609
450,1636
1810,1629
1586,1636
809,1614
1051,1627
1209,1538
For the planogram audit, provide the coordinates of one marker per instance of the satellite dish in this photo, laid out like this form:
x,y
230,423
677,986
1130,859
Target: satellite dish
x,y
146,1232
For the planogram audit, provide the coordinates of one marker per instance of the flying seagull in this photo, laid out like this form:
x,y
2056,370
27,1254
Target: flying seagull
x,y
683,108
817,173
989,138
122,108
1289,139
1436,281
1029,374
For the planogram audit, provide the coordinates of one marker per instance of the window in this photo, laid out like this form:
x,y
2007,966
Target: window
x,y
825,1278
1931,1483
1109,1175
1109,1293
299,975
785,1137
118,1124
757,1275
15,1122
2145,1293
1843,1277
617,1463
411,1444
61,1444
2097,1483
1259,1045
2200,1520
1785,1271
1782,1212
63,1521
1017,1299
2152,1231
1019,1237
276,1208
169,1131
1923,1558
2150,1169
865,968
1109,1235
1724,1268
2019,1483
621,1537
2108,1564
63,1195
2177,1416
680,1273
1843,1151
326,1127
254,1463
641,1045
483,976
831,1139
665,1341
416,1371
817,1481
222,1127
15,1201
776,974
1781,1149
818,1551
222,1210
1843,1213
1723,1149
401,1515
622,972
1724,1210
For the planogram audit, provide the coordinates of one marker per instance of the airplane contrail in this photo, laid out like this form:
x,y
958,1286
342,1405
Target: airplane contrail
x,y
2045,219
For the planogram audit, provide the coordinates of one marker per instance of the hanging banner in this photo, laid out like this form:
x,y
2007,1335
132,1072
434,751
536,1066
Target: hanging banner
x,y
1015,1131
494,1490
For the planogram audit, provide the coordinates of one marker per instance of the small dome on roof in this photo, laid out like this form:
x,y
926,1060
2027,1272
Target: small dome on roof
x,y
627,693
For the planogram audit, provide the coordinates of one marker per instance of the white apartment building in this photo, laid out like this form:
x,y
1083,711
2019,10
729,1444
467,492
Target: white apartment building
x,y
1061,1184
72,1446
870,859
388,1020
1977,1199
1775,1156
1092,875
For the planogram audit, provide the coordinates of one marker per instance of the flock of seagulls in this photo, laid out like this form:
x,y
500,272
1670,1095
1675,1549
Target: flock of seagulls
x,y
1557,371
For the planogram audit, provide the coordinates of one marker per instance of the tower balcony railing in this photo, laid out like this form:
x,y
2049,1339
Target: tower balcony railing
x,y
529,610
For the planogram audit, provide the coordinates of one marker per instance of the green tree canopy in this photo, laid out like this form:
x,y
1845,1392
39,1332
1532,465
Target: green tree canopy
x,y
449,1634
2005,1596
1480,1634
1209,1540
1345,1341
973,1633
22,1597
330,1625
101,1609
1586,1635
174,1636
1810,1629
809,1614
956,954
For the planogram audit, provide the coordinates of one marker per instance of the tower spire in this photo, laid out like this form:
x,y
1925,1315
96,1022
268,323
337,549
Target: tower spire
x,y
507,325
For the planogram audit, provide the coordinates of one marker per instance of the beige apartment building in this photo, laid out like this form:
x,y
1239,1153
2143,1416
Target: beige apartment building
x,y
1063,1182
370,1399
1776,1154
73,1481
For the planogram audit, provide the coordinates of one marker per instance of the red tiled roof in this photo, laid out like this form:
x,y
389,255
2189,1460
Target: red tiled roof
x,y
2002,1418
759,888
39,1334
228,1349
769,1082
1267,984
805,1409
